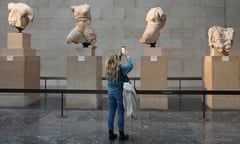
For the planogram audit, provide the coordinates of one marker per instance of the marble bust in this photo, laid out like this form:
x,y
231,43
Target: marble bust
x,y
82,32
19,15
220,40
155,19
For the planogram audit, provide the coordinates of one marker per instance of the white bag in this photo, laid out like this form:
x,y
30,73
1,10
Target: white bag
x,y
130,100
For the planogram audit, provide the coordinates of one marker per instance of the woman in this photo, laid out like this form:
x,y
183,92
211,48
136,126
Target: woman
x,y
115,73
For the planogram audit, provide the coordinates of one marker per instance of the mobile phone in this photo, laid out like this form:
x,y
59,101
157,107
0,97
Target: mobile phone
x,y
123,49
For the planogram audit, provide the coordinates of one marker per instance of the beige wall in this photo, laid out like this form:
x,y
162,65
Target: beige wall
x,y
121,22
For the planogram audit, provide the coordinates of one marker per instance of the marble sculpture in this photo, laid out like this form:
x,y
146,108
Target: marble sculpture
x,y
19,15
155,19
220,40
83,31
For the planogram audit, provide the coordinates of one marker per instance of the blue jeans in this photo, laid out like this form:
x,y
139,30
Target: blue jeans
x,y
116,103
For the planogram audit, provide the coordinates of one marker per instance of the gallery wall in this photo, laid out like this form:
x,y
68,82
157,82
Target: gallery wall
x,y
122,22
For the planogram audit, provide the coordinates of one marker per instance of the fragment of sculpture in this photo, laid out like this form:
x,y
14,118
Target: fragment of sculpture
x,y
220,40
19,15
82,32
156,20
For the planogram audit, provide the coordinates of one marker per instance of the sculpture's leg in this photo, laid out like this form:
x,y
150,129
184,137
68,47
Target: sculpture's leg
x,y
93,43
90,35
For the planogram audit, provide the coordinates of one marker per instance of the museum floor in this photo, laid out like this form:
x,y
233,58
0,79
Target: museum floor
x,y
40,124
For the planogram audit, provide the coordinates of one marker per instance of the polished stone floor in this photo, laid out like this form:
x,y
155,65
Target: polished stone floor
x,y
41,124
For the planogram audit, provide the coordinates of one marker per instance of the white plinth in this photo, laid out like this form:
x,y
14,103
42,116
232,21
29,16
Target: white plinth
x,y
84,72
222,73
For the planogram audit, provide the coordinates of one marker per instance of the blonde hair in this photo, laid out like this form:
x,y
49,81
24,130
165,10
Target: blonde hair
x,y
112,67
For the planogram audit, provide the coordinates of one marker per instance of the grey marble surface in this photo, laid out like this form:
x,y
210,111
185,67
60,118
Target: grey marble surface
x,y
40,124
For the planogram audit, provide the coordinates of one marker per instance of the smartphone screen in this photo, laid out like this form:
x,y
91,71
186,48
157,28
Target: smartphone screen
x,y
123,49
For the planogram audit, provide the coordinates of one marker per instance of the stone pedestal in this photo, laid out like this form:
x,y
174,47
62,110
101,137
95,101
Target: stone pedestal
x,y
20,68
222,73
19,72
84,72
153,77
153,51
84,52
17,52
19,41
